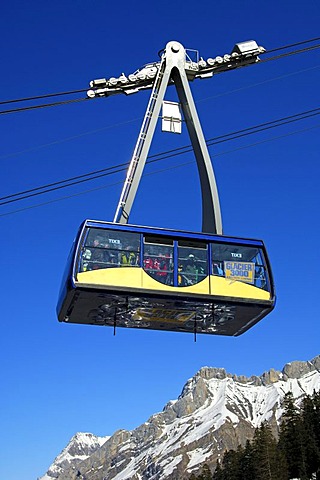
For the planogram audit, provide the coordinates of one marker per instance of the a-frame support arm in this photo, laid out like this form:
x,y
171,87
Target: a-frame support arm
x,y
211,214
173,68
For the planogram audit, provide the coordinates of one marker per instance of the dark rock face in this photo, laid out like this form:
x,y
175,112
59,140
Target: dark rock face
x,y
215,411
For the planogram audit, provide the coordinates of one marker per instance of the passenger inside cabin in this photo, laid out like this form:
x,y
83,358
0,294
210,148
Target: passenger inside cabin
x,y
193,270
182,279
148,263
128,257
98,256
161,268
217,269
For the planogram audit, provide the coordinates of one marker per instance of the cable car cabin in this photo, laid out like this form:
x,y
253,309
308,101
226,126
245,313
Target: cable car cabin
x,y
152,278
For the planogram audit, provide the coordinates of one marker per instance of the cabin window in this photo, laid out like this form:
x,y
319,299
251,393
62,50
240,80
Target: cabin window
x,y
192,262
158,258
241,263
109,248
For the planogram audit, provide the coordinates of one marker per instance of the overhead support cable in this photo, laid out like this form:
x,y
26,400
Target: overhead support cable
x,y
243,132
172,167
144,81
303,42
94,175
44,105
289,54
40,97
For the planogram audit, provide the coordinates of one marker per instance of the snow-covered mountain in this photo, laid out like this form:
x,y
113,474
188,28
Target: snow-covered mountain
x,y
80,447
215,411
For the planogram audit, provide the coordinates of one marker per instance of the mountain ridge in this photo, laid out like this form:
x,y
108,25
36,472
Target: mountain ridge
x,y
215,411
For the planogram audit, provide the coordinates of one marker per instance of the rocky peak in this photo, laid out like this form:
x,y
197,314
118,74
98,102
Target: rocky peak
x,y
215,411
297,369
81,446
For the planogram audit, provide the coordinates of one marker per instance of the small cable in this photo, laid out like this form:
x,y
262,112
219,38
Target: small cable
x,y
44,105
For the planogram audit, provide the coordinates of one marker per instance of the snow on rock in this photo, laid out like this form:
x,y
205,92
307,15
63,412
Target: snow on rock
x,y
215,411
80,447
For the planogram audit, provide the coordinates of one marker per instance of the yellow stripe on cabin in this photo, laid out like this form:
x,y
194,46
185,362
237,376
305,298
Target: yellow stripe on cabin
x,y
137,278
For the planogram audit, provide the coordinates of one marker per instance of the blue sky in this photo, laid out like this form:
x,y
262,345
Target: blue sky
x,y
58,379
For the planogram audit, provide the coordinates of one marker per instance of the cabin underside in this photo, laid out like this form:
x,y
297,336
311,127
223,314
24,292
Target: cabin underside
x,y
158,312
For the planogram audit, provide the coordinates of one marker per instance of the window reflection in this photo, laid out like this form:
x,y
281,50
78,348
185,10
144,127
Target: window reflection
x,y
158,259
173,262
192,263
239,263
107,249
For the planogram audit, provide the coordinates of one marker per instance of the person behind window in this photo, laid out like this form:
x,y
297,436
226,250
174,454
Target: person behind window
x,y
194,270
90,255
161,265
101,257
164,262
97,242
191,269
260,278
98,260
217,270
109,256
128,258
86,257
148,263
183,281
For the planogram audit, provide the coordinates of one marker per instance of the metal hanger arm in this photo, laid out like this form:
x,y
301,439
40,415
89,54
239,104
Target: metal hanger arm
x,y
173,68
